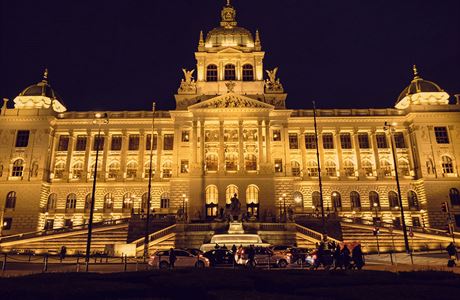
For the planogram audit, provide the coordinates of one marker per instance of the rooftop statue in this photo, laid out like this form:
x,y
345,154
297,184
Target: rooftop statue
x,y
188,76
272,75
187,84
272,84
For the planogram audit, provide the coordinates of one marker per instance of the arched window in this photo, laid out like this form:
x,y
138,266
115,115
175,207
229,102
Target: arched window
x,y
403,167
88,202
166,169
131,170
231,162
128,201
52,201
447,165
412,200
331,169
211,73
18,168
295,168
393,200
252,194
108,201
316,200
312,168
147,169
114,169
374,199
250,162
248,72
230,72
230,191
99,169
298,199
454,196
385,166
77,170
59,169
366,166
164,200
336,200
71,201
349,168
211,162
212,194
355,200
10,200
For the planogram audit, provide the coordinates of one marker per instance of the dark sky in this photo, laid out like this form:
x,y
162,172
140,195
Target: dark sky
x,y
121,55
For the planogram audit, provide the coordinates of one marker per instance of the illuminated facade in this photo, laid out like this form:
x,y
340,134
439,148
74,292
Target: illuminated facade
x,y
230,133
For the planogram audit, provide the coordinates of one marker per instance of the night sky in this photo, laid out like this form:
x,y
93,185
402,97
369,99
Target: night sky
x,y
122,55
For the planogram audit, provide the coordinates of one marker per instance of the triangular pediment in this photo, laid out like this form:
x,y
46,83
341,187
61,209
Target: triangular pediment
x,y
230,50
231,101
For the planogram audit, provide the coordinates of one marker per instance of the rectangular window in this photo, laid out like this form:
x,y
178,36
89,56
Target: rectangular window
x,y
328,141
399,140
278,165
381,141
441,135
276,135
117,141
133,144
363,140
293,141
184,166
168,142
22,138
148,141
7,223
98,143
185,136
416,221
49,224
63,144
80,144
345,140
310,141
164,203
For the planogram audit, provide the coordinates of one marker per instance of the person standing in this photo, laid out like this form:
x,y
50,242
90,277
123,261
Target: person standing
x,y
234,249
358,257
172,258
452,251
251,255
345,256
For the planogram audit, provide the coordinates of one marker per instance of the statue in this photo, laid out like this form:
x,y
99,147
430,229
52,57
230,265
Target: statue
x,y
188,76
230,86
272,75
272,84
187,84
235,208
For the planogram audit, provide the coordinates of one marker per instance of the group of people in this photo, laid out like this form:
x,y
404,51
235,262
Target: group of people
x,y
331,254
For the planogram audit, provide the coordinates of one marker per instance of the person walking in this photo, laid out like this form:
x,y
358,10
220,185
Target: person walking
x,y
251,255
345,257
336,256
452,252
358,257
172,258
63,252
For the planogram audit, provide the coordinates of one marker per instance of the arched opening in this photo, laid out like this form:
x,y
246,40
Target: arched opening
x,y
71,202
212,200
349,168
18,168
230,191
114,170
298,201
131,170
77,170
295,168
252,200
211,73
166,169
88,199
128,202
355,200
59,170
10,202
108,202
393,200
230,72
164,201
51,203
336,199
412,200
447,165
248,72
374,200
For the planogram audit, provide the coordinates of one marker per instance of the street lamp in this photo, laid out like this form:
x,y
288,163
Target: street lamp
x,y
149,189
376,224
186,210
284,207
183,206
99,120
422,211
390,128
281,204
323,219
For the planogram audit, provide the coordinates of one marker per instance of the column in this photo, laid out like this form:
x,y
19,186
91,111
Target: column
x,y
268,156
141,156
240,147
303,151
194,139
260,142
177,142
202,154
103,172
357,151
124,151
287,151
70,150
89,143
221,154
159,152
52,153
375,149
408,138
338,147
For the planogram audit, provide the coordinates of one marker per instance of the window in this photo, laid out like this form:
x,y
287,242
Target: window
x,y
114,170
128,201
276,135
345,141
355,200
366,166
412,200
229,72
93,167
211,73
385,166
457,220
328,141
374,200
230,192
400,143
10,200
133,144
59,170
312,168
131,170
164,200
98,143
231,162
295,168
310,141
77,170
393,200
298,199
166,169
52,201
49,224
293,141
403,167
18,168
349,168
336,200
108,201
185,136
331,169
250,162
117,141
7,223
144,200
80,144
68,223
63,143
212,196
416,221
278,165
252,194
22,138
363,141
168,140
447,165
88,201
184,166
248,73
441,134
71,201
382,142
316,200
147,168
148,140
454,196
211,162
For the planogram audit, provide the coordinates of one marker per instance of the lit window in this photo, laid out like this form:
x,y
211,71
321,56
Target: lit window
x,y
295,168
403,167
164,200
77,170
230,192
59,170
131,170
184,166
276,135
211,162
185,136
7,223
114,170
166,169
293,141
52,201
231,162
374,199
278,165
367,168
128,201
312,168
331,169
108,201
71,201
385,166
250,162
349,168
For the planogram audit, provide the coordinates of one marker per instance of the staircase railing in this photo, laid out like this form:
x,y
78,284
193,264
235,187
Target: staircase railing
x,y
313,234
156,235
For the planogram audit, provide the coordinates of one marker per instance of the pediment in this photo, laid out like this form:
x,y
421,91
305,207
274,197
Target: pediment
x,y
231,101
230,50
